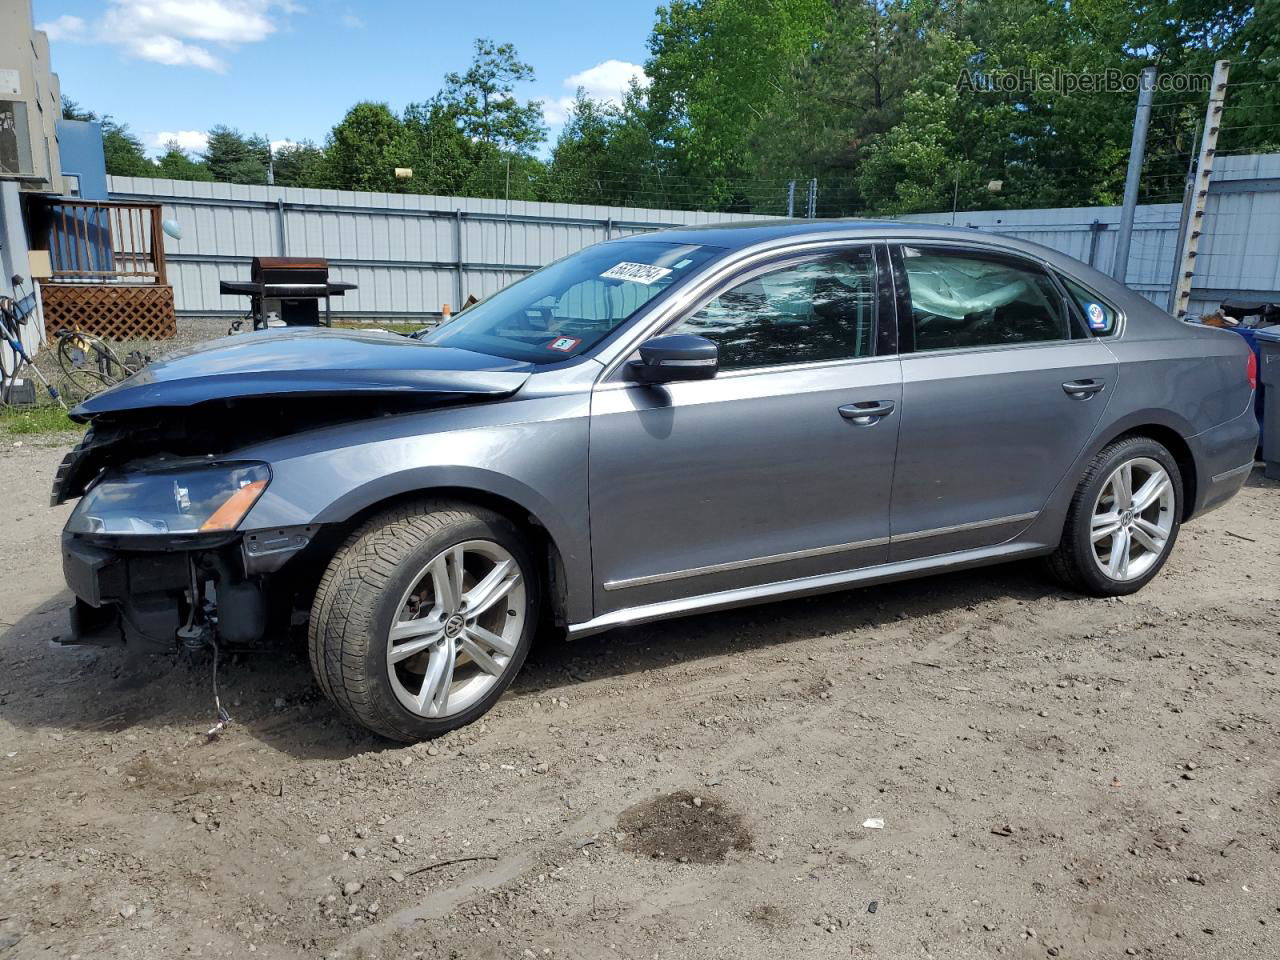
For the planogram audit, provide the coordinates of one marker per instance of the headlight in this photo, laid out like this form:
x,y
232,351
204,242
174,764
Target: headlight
x,y
184,499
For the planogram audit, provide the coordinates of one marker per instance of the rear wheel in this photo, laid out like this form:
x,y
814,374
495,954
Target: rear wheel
x,y
1123,520
423,618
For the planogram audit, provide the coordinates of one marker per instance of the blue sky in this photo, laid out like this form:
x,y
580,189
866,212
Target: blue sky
x,y
289,70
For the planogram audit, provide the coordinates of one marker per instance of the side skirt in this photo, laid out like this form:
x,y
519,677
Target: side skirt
x,y
808,586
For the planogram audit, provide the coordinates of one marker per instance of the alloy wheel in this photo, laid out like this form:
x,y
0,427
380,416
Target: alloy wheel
x,y
456,628
1132,519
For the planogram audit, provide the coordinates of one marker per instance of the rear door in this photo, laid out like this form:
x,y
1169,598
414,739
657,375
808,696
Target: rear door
x,y
757,475
1002,388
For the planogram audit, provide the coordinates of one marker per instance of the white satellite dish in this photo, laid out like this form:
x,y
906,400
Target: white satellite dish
x,y
172,227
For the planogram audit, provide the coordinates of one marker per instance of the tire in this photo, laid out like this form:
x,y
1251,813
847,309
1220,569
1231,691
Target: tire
x,y
1088,558
387,572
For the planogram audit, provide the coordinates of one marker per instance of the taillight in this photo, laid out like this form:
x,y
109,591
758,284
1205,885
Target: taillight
x,y
1251,370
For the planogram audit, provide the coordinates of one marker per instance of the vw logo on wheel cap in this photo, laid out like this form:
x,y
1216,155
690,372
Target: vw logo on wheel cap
x,y
453,626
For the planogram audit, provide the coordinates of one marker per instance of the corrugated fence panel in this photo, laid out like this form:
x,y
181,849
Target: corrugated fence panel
x,y
411,254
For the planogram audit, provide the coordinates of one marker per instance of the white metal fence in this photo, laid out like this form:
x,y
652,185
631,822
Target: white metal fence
x,y
1239,250
411,254
408,254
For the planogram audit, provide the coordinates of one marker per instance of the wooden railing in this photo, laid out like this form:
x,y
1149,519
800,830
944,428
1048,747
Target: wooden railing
x,y
104,241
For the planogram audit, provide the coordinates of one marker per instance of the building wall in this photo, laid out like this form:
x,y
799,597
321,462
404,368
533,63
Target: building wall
x,y
26,77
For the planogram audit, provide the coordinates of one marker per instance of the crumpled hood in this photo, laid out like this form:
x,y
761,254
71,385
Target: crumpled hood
x,y
310,361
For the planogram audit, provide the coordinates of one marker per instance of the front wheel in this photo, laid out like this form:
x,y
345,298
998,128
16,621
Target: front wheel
x,y
423,619
1123,520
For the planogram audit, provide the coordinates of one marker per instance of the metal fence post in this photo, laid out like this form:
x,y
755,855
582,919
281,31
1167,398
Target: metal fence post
x,y
1095,235
791,198
457,239
813,198
1141,120
281,235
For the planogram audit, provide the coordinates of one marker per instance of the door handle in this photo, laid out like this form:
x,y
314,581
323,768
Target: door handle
x,y
866,413
1083,389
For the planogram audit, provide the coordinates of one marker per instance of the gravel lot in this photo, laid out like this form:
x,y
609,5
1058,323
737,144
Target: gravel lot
x,y
1056,777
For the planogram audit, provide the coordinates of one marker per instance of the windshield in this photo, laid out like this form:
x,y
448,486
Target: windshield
x,y
571,305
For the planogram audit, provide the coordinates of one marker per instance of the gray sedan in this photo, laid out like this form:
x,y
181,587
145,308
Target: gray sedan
x,y
654,426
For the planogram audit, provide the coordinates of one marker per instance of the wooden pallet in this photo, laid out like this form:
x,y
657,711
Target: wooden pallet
x,y
113,311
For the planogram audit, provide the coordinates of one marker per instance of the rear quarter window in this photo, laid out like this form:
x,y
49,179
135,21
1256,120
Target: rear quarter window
x,y
1099,317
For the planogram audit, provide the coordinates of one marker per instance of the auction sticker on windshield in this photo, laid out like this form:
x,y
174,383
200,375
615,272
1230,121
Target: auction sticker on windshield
x,y
636,272
564,344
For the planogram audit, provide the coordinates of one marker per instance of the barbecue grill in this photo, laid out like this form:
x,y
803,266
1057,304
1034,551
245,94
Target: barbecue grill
x,y
286,292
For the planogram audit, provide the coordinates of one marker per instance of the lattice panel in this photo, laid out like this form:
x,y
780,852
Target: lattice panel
x,y
112,311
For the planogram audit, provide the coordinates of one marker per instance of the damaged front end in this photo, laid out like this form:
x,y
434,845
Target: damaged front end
x,y
152,554
173,462
155,551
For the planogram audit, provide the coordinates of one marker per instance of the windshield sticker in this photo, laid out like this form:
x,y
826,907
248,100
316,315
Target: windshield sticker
x,y
564,344
635,272
1097,316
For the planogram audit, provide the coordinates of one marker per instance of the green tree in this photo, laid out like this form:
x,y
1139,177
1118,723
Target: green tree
x,y
714,69
123,151
234,157
73,111
605,155
365,148
174,164
300,165
483,101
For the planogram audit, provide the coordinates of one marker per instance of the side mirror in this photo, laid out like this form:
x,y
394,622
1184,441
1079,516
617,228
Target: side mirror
x,y
683,356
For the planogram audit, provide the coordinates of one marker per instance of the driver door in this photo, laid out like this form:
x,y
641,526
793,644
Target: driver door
x,y
761,474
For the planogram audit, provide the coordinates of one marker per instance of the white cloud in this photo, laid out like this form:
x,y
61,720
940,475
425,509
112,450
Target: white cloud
x,y
65,27
177,32
191,141
278,145
172,52
608,81
352,20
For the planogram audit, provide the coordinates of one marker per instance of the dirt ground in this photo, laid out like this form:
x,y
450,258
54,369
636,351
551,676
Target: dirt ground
x,y
1056,776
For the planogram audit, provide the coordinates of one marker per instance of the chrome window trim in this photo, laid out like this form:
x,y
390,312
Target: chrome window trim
x,y
759,371
731,565
994,347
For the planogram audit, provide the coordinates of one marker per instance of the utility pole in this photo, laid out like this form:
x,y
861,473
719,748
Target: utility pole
x,y
1141,120
1188,192
791,198
1180,297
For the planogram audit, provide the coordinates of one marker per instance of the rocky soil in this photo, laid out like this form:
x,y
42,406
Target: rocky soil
x,y
975,765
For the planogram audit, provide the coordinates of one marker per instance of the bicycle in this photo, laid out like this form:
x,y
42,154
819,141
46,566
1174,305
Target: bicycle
x,y
12,320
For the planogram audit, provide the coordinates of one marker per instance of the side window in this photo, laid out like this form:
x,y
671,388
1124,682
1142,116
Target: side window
x,y
1098,317
822,309
967,300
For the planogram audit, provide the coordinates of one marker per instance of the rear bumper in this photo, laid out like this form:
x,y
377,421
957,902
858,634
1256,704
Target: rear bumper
x,y
1224,456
